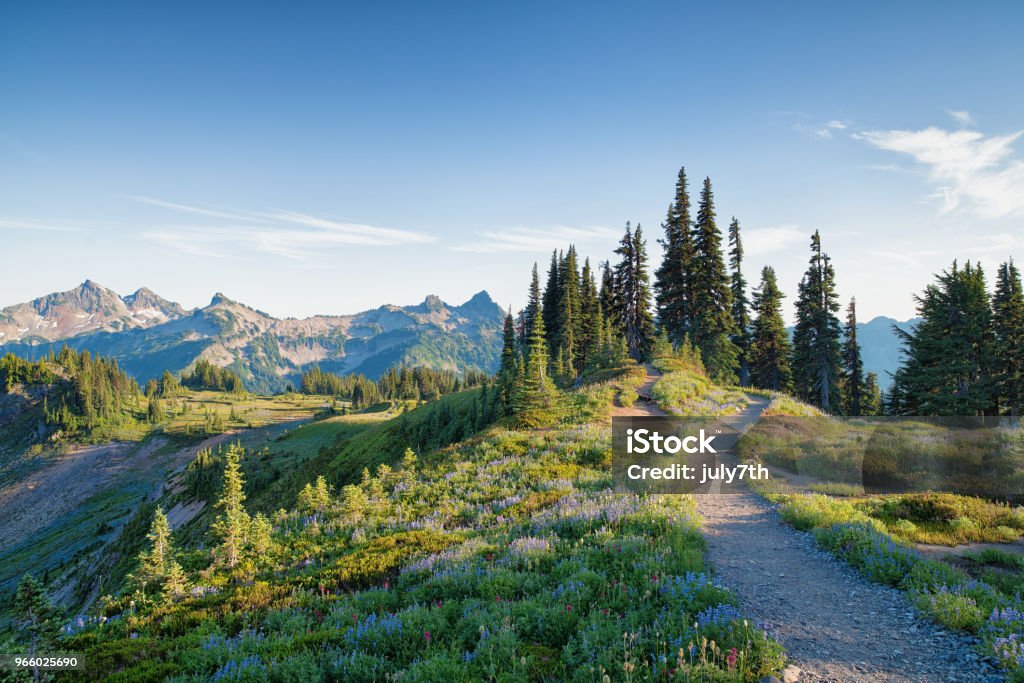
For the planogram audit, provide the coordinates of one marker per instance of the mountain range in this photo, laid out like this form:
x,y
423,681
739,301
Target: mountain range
x,y
880,345
148,334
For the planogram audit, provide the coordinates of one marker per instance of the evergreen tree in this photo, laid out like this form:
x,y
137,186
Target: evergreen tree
x,y
817,362
259,533
354,500
632,298
175,582
508,368
606,297
567,340
872,403
532,310
590,315
409,464
536,398
713,325
1008,347
854,390
232,525
740,302
36,617
549,303
769,345
948,357
155,562
672,279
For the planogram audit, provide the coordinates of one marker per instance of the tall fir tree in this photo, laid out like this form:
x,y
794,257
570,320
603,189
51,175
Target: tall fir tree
x,y
532,310
672,279
1008,344
550,299
713,325
817,361
232,524
569,308
156,563
536,399
948,356
854,389
37,619
606,296
740,302
633,294
590,315
509,368
769,345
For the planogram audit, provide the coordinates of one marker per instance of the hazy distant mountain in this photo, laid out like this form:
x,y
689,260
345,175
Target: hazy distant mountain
x,y
148,334
879,345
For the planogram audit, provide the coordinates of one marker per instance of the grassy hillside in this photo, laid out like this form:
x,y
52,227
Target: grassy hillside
x,y
504,556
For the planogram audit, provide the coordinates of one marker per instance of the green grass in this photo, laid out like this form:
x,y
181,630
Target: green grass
x,y
505,556
688,392
837,489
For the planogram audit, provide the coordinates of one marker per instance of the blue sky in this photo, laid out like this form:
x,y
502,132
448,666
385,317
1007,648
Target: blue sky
x,y
326,157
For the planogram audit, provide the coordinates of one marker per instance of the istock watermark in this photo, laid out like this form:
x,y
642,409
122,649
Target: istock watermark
x,y
680,455
978,456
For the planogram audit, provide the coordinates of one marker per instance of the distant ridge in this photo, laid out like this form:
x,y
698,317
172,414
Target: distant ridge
x,y
149,334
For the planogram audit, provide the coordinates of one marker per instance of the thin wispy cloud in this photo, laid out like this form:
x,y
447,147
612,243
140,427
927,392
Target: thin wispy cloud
x,y
821,130
962,117
282,233
536,239
199,210
36,225
831,127
969,170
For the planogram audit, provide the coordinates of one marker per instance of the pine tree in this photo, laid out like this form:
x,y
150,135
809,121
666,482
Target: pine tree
x,y
260,530
567,341
175,582
817,363
740,302
632,298
769,346
606,297
854,390
590,315
948,357
155,562
532,310
509,365
232,525
354,501
36,616
872,404
536,398
409,464
672,279
713,326
1008,347
549,303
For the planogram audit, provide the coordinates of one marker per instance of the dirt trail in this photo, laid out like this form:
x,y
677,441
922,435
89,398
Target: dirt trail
x,y
834,624
641,407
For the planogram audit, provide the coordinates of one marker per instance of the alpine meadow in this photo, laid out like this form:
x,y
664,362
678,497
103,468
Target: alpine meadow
x,y
768,434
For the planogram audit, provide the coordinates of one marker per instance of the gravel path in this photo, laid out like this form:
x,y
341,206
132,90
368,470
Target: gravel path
x,y
834,624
